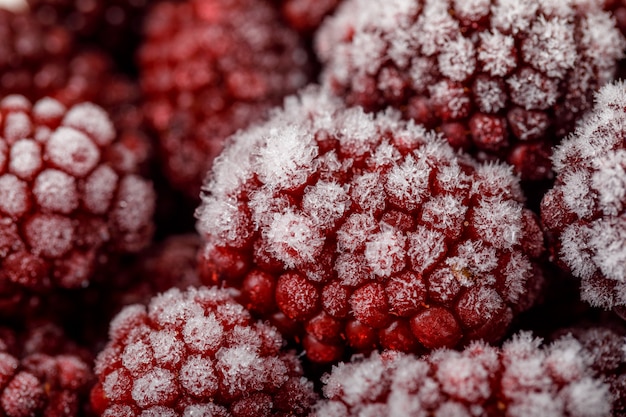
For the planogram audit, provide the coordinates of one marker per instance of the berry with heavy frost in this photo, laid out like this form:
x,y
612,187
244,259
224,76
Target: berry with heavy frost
x,y
502,78
522,378
209,68
197,351
64,203
585,212
349,227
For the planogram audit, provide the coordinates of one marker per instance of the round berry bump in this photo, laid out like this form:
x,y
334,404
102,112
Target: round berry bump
x,y
523,378
204,77
197,350
307,15
585,212
370,224
68,201
502,79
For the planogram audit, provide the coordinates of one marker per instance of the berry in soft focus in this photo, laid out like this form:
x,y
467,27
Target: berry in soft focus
x,y
366,230
307,15
65,206
502,79
521,379
197,351
585,213
43,374
113,25
209,68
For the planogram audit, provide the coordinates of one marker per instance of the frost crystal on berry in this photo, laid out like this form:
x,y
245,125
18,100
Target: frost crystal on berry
x,y
500,78
585,212
197,349
373,226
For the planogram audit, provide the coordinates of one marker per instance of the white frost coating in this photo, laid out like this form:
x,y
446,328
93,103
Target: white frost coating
x,y
474,261
472,10
14,199
294,239
286,162
356,130
609,181
137,356
445,212
326,202
531,90
489,94
603,42
205,410
357,381
425,248
588,398
496,53
513,16
516,274
435,26
99,189
25,158
608,241
134,203
498,222
48,109
93,120
203,334
49,235
453,97
158,411
385,251
355,231
577,193
574,250
72,151
551,47
457,61
155,387
197,376
17,125
167,348
464,378
408,182
242,370
222,219
173,308
56,191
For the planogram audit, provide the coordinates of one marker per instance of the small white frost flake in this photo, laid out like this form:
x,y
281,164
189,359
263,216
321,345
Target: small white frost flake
x,y
551,47
498,222
326,202
407,183
532,90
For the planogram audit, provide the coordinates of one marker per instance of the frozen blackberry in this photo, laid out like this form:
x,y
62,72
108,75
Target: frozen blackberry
x,y
501,78
361,229
42,374
209,68
585,212
65,205
522,378
197,351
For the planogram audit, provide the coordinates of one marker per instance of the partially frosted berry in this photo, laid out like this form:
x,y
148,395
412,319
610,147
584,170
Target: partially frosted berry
x,y
197,351
65,204
501,78
585,212
41,374
209,68
366,230
522,378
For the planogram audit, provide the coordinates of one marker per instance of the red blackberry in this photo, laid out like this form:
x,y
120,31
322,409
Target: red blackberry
x,y
520,379
209,68
42,374
201,352
363,229
65,204
585,212
502,78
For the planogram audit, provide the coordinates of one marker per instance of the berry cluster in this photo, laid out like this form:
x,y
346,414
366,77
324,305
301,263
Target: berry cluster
x,y
331,208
